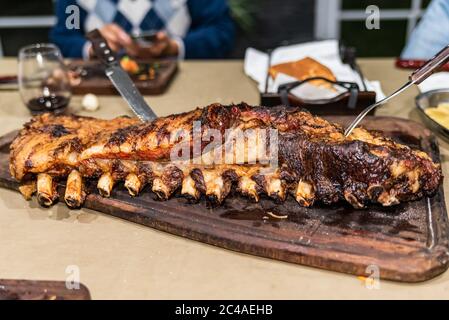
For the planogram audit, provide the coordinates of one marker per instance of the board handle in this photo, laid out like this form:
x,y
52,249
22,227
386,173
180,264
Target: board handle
x,y
421,74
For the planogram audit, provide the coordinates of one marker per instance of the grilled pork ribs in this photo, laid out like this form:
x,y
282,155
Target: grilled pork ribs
x,y
315,162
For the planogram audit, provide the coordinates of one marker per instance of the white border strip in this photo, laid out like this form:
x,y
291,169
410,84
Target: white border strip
x,y
27,22
387,14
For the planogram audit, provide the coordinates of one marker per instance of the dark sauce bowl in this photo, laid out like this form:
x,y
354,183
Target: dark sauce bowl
x,y
431,99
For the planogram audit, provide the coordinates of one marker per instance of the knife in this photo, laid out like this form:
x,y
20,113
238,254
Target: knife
x,y
120,78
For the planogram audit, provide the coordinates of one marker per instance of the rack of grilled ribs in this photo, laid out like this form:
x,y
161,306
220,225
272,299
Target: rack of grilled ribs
x,y
316,163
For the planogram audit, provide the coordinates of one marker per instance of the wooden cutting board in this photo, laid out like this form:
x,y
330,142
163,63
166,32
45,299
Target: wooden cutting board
x,y
41,290
99,84
408,242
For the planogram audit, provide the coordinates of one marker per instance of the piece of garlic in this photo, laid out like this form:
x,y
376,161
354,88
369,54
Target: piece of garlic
x,y
90,102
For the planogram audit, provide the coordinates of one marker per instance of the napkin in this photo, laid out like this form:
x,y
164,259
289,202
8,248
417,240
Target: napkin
x,y
325,52
438,80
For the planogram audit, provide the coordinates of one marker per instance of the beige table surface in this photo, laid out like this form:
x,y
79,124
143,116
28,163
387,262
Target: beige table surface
x,y
122,260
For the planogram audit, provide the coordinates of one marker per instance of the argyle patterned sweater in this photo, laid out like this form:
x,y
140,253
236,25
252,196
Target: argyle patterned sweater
x,y
202,28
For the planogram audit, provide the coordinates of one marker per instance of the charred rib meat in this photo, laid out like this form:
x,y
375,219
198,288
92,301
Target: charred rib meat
x,y
315,161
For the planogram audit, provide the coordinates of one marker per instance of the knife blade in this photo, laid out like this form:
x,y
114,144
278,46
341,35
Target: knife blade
x,y
120,78
129,92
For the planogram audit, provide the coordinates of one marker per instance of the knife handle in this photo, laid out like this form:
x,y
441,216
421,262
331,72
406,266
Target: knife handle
x,y
101,47
421,74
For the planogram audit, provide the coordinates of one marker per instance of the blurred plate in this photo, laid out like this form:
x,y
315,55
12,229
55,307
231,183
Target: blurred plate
x,y
89,77
431,99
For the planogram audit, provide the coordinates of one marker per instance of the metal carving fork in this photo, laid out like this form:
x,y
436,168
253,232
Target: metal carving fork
x,y
418,76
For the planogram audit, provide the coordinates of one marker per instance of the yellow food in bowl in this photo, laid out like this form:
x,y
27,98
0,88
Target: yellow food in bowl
x,y
440,114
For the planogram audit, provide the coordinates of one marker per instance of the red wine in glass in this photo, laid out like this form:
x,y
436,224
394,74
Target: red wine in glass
x,y
43,80
48,104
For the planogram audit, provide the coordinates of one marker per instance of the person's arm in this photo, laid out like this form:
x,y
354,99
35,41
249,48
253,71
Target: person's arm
x,y
71,42
211,34
431,35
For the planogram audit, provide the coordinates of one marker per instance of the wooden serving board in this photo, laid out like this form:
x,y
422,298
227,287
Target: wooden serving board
x,y
41,290
408,242
101,85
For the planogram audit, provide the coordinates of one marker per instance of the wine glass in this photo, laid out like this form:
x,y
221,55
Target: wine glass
x,y
43,79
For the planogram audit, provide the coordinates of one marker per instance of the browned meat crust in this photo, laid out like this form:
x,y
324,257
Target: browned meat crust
x,y
316,161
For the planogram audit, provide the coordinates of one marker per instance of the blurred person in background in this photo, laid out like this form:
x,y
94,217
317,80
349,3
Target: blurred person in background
x,y
431,34
191,29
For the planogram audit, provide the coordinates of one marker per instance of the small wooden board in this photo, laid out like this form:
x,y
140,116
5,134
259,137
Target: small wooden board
x,y
408,242
100,85
41,290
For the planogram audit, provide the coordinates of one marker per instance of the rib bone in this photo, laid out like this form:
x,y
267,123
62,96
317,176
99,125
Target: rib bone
x,y
276,189
304,194
161,189
105,185
133,184
217,186
46,190
74,192
170,180
247,187
28,189
189,189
